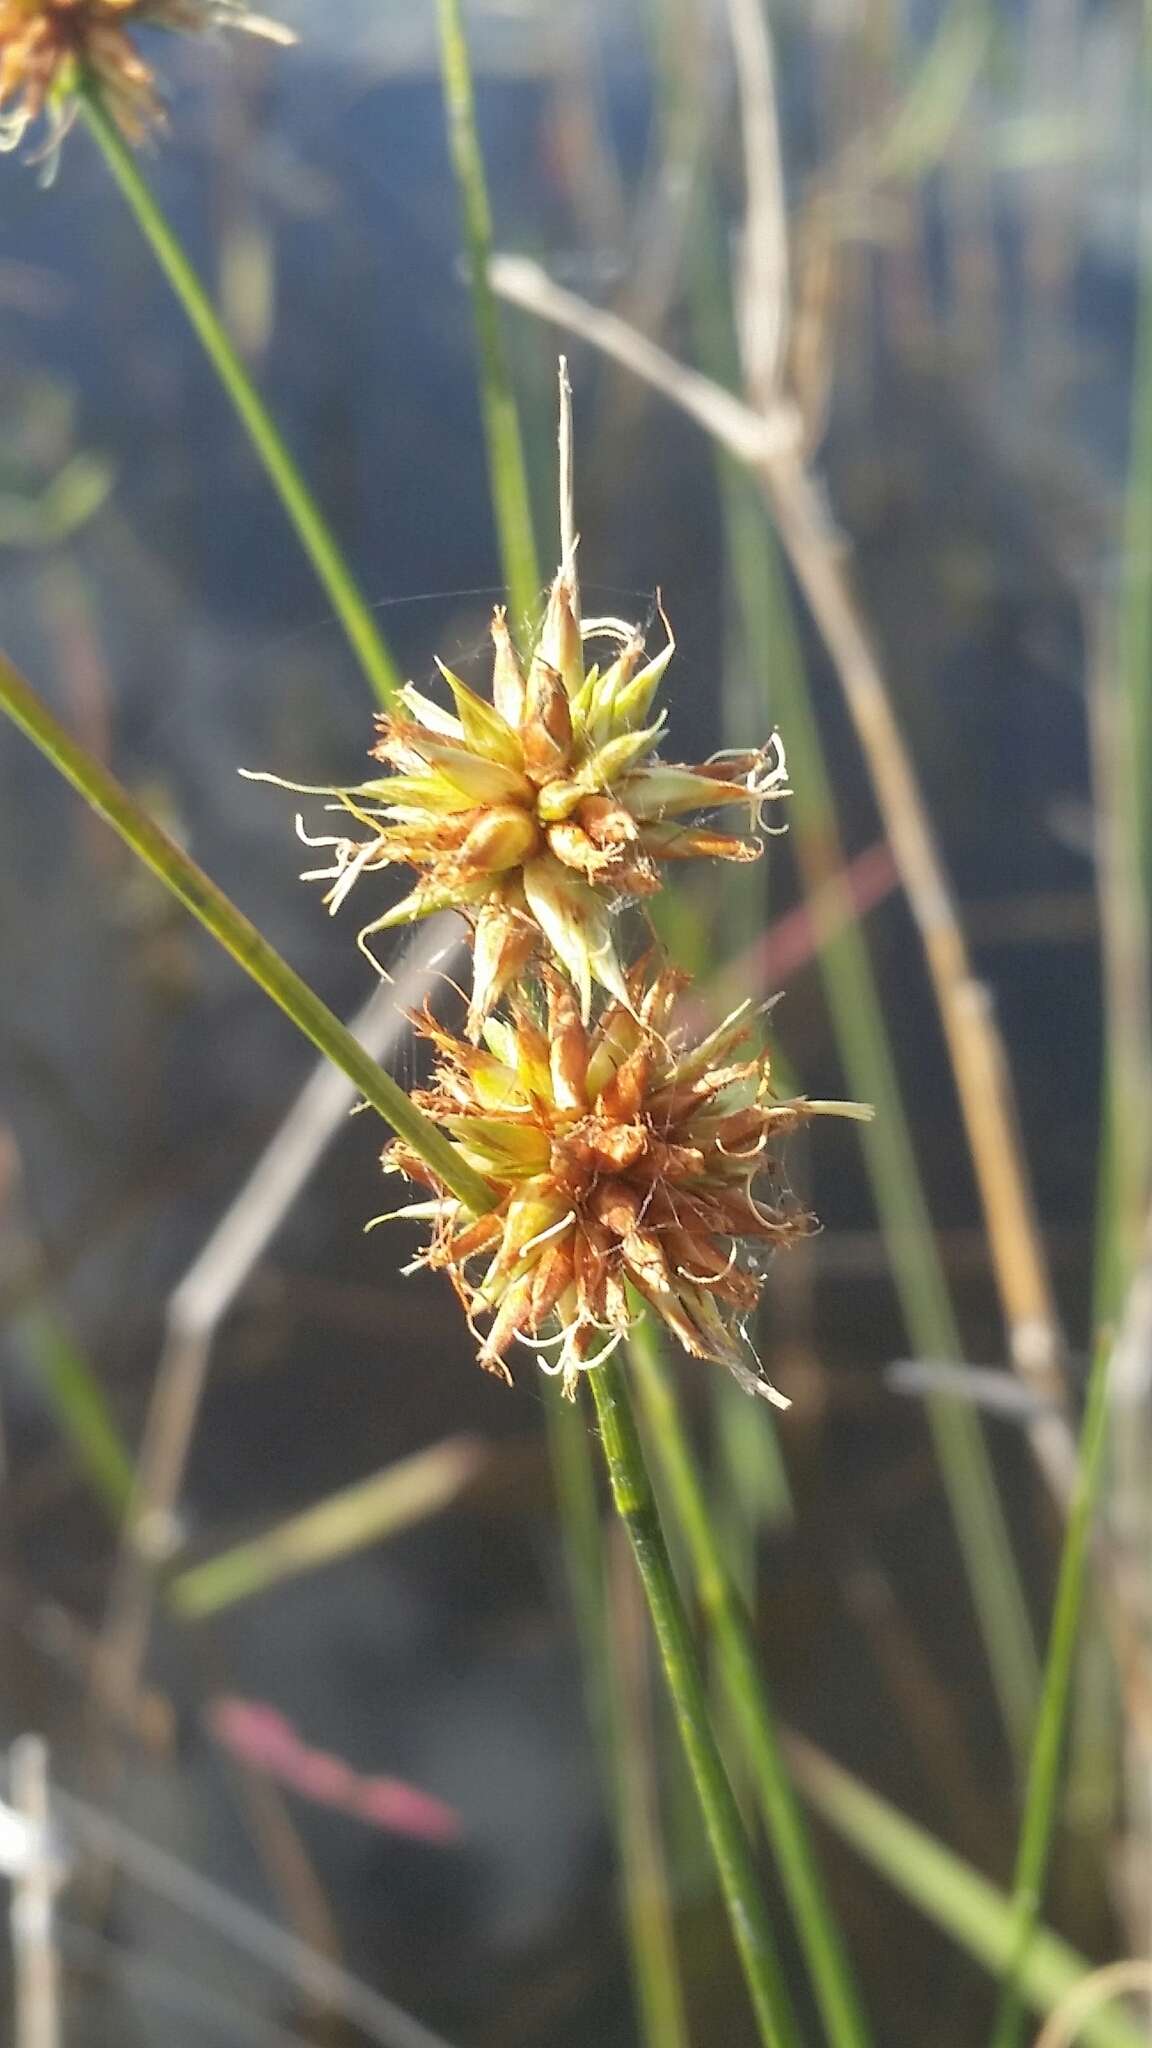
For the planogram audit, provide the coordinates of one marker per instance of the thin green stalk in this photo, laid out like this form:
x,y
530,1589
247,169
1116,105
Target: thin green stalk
x,y
1135,623
507,472
369,1511
636,1505
946,1889
1042,1793
81,1408
319,543
619,1737
1125,1162
238,936
647,1901
905,1220
857,1014
643,1882
828,1963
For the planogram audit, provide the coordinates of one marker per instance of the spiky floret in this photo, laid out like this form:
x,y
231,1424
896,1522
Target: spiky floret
x,y
538,811
48,46
616,1156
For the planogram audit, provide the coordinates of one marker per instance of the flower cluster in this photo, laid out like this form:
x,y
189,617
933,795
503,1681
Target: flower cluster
x,y
626,1164
538,812
617,1157
49,47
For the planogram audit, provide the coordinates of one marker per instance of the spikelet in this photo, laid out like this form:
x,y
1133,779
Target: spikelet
x,y
617,1157
47,47
538,812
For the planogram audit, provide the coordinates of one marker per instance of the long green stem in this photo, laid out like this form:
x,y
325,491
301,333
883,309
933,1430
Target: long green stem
x,y
348,603
238,936
950,1893
507,472
81,1408
644,1882
1042,1794
857,1011
1124,809
635,1758
636,1505
748,1693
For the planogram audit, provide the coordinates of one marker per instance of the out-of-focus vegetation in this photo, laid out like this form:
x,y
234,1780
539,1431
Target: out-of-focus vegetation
x,y
856,312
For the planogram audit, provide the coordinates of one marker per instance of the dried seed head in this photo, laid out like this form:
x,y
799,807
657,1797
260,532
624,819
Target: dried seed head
x,y
616,1156
48,46
550,798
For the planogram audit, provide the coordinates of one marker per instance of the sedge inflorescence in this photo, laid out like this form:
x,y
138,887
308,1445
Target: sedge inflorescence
x,y
539,811
621,1156
48,48
626,1162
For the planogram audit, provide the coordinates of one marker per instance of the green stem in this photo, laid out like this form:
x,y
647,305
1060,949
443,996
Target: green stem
x,y
636,1505
507,472
1042,1793
238,936
951,1894
856,1007
349,605
621,1741
1125,1163
815,1921
635,1757
626,1766
81,1408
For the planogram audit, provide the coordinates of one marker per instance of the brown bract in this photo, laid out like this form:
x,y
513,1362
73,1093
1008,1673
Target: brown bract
x,y
48,46
617,1157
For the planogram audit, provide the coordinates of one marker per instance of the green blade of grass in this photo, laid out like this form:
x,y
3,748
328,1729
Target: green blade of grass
x,y
367,1512
947,1891
507,471
765,607
319,542
857,1014
647,1898
748,1698
1043,1786
80,1407
644,1883
636,1506
236,933
619,1736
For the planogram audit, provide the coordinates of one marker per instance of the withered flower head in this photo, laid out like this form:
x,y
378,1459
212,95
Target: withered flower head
x,y
615,1156
539,811
47,46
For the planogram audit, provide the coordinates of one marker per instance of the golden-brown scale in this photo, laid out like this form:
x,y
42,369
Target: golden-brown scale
x,y
615,1160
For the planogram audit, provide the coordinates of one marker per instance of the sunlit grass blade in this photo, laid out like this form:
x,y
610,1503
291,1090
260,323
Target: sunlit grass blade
x,y
319,542
647,1891
507,470
618,1730
748,1698
80,1406
949,1892
636,1505
368,1512
238,936
864,1042
927,117
1043,1785
644,1882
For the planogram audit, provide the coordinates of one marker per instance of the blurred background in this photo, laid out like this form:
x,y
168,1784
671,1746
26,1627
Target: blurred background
x,y
963,187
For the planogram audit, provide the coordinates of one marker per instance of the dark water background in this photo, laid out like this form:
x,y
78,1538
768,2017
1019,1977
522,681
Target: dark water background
x,y
179,627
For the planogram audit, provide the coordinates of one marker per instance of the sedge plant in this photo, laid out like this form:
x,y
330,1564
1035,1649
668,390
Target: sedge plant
x,y
542,812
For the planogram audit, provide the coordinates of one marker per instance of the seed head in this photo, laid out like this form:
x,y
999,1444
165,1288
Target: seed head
x,y
48,46
616,1156
537,812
